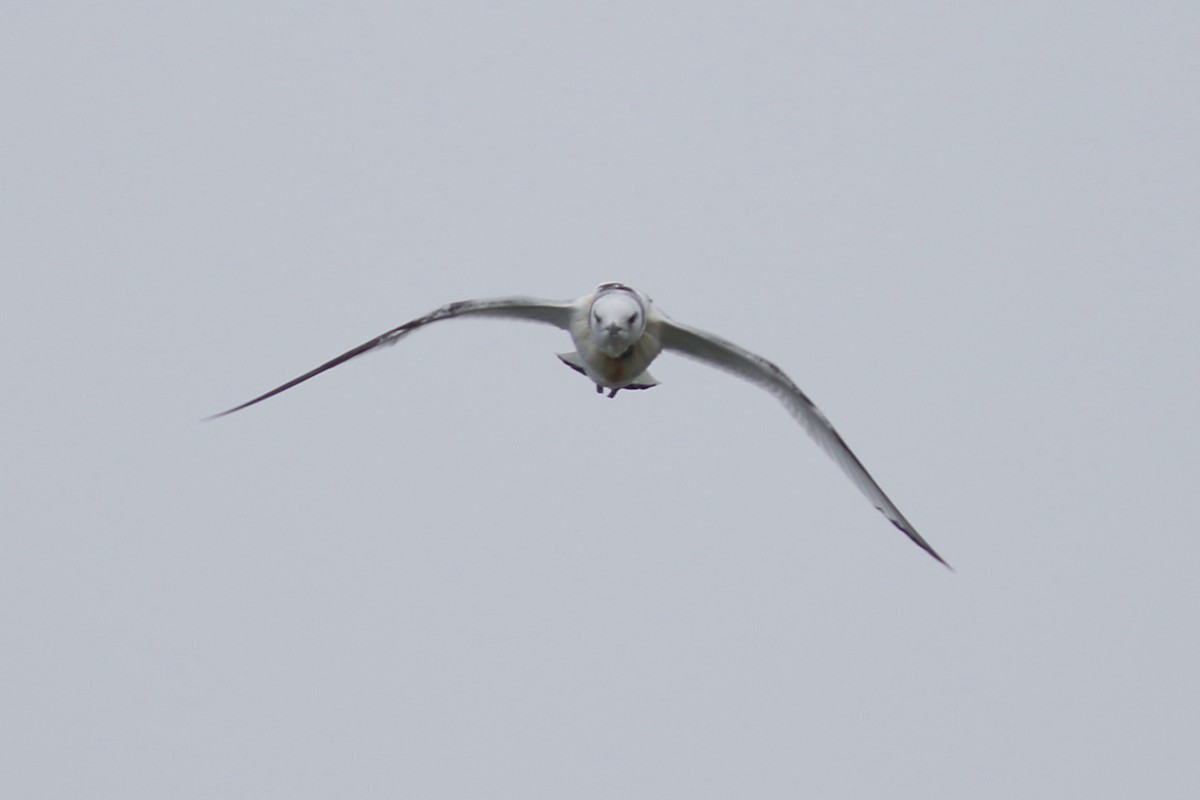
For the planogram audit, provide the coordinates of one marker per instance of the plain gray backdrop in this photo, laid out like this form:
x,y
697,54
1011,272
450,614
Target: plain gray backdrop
x,y
450,569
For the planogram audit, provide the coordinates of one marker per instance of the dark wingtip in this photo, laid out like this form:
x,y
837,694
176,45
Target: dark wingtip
x,y
919,542
940,560
249,403
229,411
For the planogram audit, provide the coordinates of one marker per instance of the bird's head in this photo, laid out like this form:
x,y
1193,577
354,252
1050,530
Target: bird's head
x,y
617,319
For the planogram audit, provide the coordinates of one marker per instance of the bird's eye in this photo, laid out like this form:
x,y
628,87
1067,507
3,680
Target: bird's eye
x,y
633,318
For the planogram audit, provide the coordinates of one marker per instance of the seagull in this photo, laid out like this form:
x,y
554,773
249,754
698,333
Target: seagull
x,y
618,332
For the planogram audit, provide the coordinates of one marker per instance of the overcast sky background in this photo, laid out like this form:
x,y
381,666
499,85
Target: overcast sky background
x,y
449,570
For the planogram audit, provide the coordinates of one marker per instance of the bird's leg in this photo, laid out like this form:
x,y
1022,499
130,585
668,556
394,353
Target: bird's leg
x,y
613,393
599,389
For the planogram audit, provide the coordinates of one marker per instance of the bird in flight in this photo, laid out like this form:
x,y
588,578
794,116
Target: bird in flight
x,y
618,332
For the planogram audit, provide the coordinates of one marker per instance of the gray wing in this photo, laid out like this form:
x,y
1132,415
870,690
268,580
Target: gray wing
x,y
526,308
718,352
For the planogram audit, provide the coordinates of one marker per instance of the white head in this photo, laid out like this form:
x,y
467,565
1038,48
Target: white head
x,y
617,318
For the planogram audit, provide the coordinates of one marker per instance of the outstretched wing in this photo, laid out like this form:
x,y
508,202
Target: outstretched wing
x,y
526,308
718,352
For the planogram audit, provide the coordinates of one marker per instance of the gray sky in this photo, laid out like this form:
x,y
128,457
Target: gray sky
x,y
450,569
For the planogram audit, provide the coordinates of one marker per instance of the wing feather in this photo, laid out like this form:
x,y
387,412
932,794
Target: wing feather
x,y
725,355
524,308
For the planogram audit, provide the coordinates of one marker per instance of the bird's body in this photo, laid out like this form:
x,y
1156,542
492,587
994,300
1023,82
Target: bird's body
x,y
618,332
